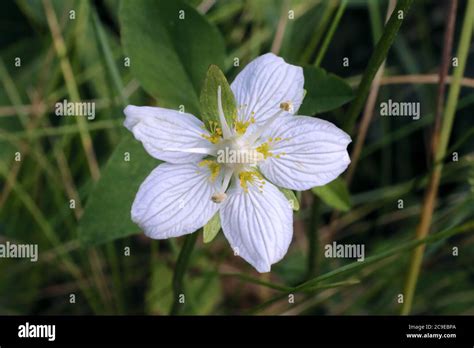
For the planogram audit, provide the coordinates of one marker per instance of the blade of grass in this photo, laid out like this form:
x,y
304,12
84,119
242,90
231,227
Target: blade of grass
x,y
71,85
48,231
329,8
280,32
368,111
108,58
354,266
59,130
332,29
378,56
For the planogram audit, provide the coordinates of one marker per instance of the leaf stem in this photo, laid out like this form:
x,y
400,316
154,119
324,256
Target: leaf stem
x,y
181,266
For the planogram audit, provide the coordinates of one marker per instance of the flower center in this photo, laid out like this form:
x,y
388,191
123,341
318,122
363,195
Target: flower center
x,y
235,152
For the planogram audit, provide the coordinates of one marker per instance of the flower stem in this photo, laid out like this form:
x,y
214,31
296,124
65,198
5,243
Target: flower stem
x,y
180,270
313,242
378,56
441,147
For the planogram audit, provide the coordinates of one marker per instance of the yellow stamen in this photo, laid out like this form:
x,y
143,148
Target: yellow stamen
x,y
252,177
215,133
241,125
213,166
266,147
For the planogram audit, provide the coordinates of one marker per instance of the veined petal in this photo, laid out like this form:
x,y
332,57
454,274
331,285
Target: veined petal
x,y
302,152
168,135
175,199
258,224
265,86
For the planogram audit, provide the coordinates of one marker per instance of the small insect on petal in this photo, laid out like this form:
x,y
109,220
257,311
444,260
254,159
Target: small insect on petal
x,y
287,106
219,197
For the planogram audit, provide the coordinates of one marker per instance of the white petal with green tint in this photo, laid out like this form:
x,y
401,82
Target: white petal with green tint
x,y
175,199
264,84
303,152
168,135
258,224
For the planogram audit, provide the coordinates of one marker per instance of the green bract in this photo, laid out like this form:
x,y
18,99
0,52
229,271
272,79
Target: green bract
x,y
291,197
209,110
335,194
211,229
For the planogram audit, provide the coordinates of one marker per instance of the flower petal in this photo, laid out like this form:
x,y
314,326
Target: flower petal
x,y
175,199
304,152
264,84
159,129
258,224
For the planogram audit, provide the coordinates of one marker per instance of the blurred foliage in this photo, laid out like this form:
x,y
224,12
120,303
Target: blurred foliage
x,y
90,251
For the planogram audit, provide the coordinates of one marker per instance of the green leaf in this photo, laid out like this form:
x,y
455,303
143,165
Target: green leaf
x,y
202,290
325,91
169,56
107,213
159,295
204,293
291,197
212,228
334,194
209,109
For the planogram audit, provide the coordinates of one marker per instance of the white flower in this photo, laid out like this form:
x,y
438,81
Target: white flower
x,y
234,171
